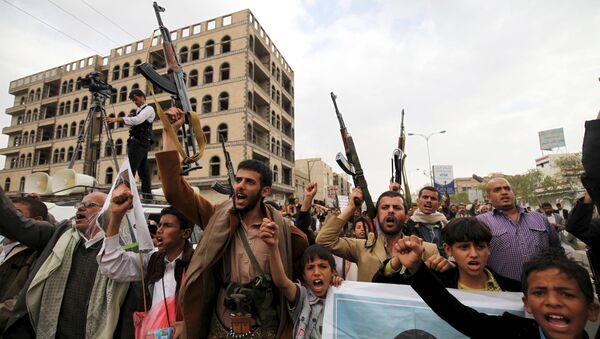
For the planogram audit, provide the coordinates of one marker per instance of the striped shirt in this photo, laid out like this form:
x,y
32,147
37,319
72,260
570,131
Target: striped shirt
x,y
513,244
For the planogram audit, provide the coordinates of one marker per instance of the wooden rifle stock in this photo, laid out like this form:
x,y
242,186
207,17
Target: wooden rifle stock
x,y
171,57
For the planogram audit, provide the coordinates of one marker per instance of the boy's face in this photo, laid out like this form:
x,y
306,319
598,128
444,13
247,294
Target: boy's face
x,y
558,304
470,257
317,276
359,230
169,234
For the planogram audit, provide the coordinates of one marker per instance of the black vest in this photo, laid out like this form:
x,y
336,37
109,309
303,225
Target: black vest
x,y
142,132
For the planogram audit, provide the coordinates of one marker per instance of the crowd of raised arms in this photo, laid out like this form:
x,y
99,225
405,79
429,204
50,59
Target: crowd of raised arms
x,y
261,270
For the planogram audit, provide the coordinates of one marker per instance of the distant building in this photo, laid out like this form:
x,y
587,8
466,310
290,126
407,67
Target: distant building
x,y
550,164
465,184
329,183
300,182
318,171
566,169
342,182
238,81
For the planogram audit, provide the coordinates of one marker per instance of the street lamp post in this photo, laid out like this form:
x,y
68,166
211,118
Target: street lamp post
x,y
426,137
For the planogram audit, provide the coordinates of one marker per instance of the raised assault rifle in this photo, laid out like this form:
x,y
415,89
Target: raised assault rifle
x,y
351,164
175,86
398,165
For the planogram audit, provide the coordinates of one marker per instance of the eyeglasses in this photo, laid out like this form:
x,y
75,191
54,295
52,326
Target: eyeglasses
x,y
86,204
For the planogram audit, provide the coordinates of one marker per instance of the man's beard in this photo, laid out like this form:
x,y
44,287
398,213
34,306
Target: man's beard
x,y
252,201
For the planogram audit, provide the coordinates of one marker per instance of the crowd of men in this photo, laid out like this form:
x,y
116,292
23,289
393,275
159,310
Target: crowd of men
x,y
263,271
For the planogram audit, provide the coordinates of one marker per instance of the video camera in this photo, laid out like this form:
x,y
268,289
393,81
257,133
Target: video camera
x,y
94,83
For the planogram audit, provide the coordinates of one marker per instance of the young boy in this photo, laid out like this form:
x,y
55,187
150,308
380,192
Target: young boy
x,y
557,292
306,303
467,241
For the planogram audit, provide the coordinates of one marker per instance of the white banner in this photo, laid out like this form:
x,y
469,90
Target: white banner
x,y
134,228
369,310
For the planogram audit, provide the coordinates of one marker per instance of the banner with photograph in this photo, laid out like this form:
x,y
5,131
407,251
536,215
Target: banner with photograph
x,y
369,310
134,229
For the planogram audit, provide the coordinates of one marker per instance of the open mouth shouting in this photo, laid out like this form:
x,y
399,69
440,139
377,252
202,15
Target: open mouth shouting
x,y
390,220
557,322
82,219
318,287
474,265
241,198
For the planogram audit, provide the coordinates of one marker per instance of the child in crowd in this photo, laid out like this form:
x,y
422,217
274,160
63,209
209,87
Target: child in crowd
x,y
557,292
306,303
467,241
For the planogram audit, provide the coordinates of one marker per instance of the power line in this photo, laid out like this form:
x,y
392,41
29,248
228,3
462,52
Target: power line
x,y
107,18
54,28
83,22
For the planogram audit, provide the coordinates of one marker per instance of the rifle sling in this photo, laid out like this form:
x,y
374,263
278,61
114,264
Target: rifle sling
x,y
195,125
242,233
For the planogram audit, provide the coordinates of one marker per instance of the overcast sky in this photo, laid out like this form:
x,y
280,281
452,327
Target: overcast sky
x,y
491,73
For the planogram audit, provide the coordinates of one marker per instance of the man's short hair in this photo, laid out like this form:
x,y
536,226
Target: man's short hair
x,y
266,176
184,223
136,93
555,258
469,229
391,194
36,207
361,219
429,188
317,251
546,204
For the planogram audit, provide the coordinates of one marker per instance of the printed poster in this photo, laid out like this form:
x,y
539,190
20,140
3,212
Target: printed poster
x,y
369,310
134,229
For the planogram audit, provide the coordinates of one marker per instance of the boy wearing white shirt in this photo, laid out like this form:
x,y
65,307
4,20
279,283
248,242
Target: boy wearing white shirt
x,y
163,269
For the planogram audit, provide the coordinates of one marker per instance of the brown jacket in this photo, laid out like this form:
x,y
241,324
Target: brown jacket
x,y
368,260
199,291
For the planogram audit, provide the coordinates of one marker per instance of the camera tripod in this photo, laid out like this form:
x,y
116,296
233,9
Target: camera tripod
x,y
91,161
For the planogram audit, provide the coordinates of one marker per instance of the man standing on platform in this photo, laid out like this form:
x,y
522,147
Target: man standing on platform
x,y
140,138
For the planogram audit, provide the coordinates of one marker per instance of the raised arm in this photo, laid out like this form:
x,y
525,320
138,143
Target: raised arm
x,y
329,235
590,158
463,318
31,233
176,189
268,232
113,261
303,219
580,222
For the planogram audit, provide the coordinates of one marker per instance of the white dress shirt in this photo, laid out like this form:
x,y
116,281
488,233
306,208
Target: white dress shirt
x,y
119,265
168,280
143,113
